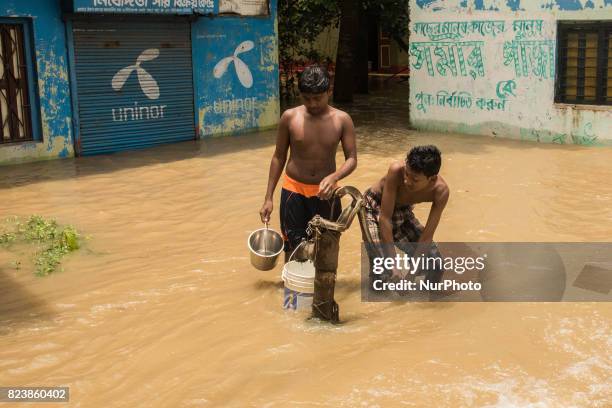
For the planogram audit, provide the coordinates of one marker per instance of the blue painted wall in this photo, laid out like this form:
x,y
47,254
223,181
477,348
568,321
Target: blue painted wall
x,y
224,103
52,83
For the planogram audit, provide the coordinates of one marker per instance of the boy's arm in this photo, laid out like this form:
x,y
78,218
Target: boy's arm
x,y
438,205
349,147
387,206
277,164
424,244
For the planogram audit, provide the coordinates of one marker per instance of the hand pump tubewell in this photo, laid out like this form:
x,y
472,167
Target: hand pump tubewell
x,y
323,247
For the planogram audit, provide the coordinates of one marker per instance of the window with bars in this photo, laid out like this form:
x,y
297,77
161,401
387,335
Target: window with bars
x,y
15,109
585,63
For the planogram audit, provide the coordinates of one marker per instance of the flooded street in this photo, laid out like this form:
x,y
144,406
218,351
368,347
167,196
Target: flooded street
x,y
161,307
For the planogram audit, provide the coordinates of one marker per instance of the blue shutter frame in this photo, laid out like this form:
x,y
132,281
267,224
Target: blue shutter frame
x,y
155,102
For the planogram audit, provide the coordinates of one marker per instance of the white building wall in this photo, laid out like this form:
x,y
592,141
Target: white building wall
x,y
488,67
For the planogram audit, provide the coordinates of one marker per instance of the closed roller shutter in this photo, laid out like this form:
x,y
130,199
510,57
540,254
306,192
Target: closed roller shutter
x,y
134,84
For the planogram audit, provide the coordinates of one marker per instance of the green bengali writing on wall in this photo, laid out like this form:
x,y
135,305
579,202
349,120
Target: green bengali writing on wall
x,y
526,54
453,58
490,67
441,6
458,100
495,75
456,30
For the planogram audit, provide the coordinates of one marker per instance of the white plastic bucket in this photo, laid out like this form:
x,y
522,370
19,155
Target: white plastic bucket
x,y
299,285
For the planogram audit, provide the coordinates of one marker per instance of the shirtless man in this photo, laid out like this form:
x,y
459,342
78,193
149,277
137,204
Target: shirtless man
x,y
312,132
389,204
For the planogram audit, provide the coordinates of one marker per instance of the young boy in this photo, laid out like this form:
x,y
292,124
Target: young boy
x,y
312,133
389,204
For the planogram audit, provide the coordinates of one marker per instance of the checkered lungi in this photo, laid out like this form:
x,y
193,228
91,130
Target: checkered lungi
x,y
406,230
406,227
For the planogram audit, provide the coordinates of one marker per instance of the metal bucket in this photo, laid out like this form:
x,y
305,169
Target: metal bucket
x,y
265,245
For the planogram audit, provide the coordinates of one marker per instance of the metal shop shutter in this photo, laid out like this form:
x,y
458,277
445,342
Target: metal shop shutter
x,y
134,84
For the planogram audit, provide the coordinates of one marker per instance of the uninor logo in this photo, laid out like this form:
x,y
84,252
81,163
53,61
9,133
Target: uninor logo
x,y
147,83
242,70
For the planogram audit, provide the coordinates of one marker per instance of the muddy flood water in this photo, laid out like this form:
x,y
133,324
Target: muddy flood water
x,y
161,307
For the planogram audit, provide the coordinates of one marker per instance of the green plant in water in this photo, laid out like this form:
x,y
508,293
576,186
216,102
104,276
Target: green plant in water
x,y
7,238
55,241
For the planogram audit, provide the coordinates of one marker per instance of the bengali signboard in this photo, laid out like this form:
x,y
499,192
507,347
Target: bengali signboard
x,y
245,7
145,6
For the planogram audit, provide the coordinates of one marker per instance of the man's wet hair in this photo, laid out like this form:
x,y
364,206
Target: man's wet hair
x,y
424,159
314,80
